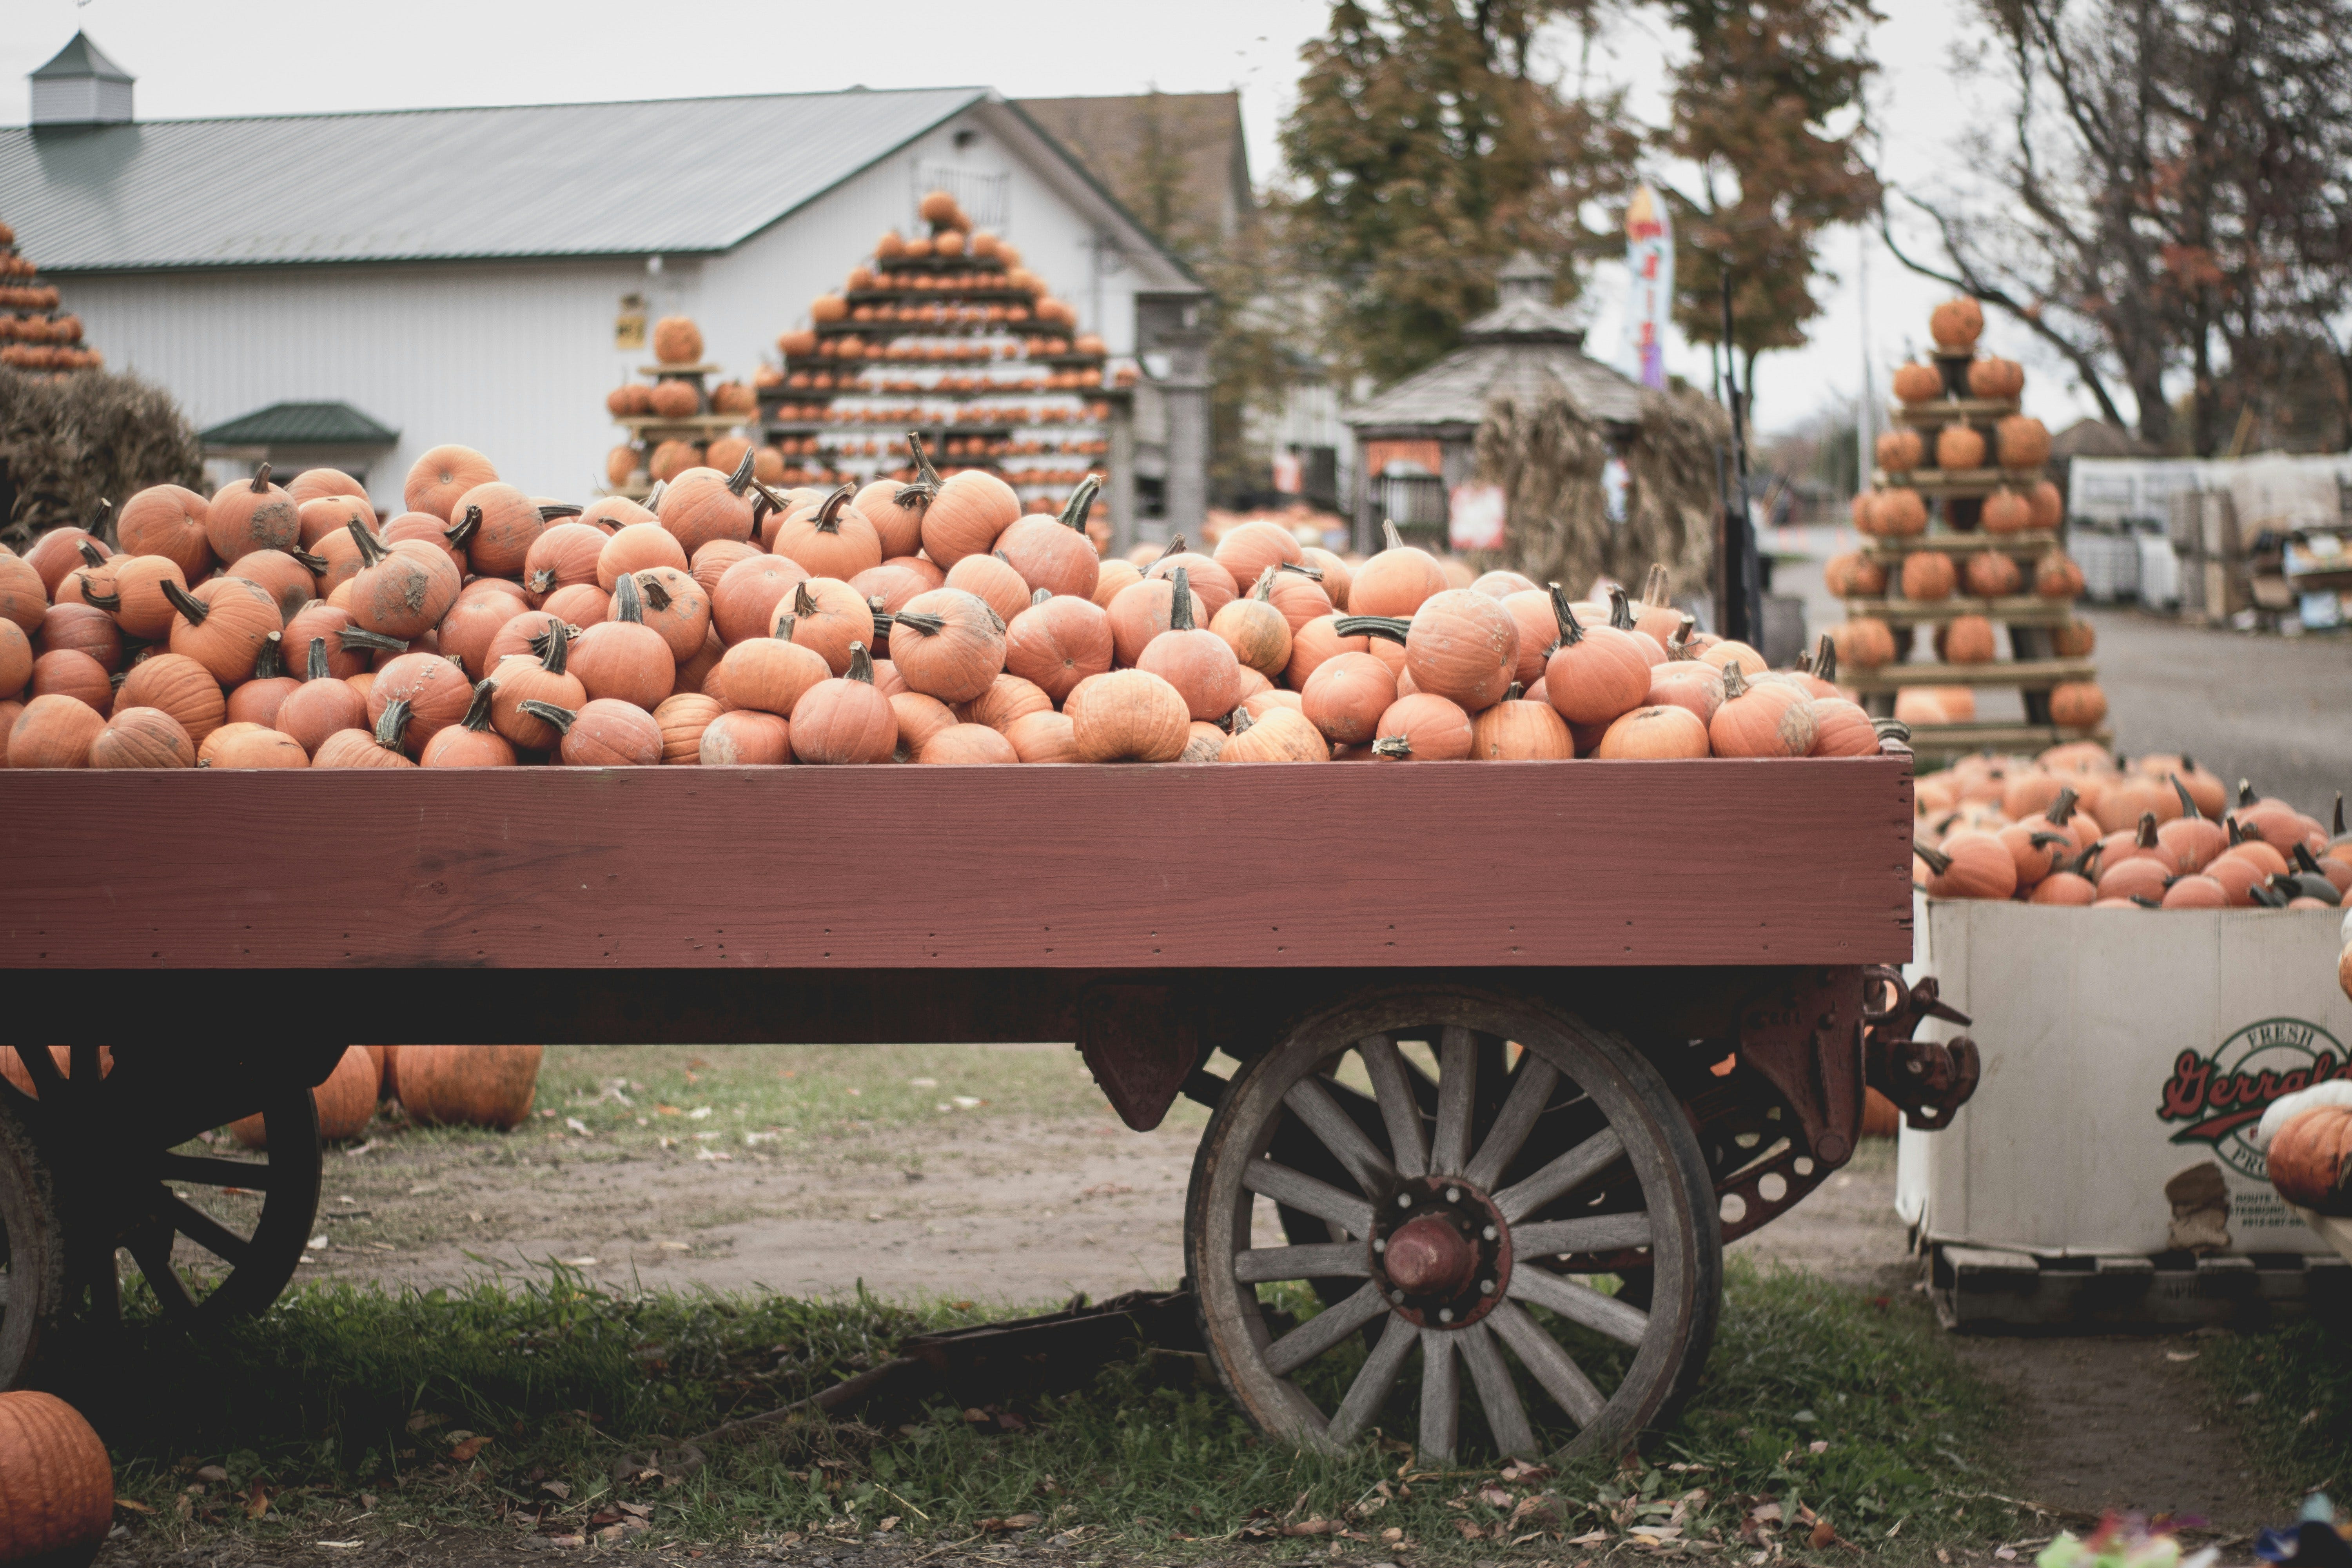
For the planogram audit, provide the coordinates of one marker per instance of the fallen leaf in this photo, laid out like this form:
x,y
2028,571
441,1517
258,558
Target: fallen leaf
x,y
558,1488
1766,1514
2180,1355
635,1510
1819,1446
1494,1497
468,1448
1469,1532
133,1506
1823,1535
416,1423
889,1522
1589,1538
213,1473
2006,1553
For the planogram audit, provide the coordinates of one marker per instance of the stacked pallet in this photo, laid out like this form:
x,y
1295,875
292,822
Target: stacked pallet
x,y
35,334
1961,536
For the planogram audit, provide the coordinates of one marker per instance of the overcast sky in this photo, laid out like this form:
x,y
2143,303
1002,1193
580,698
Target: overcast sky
x,y
277,56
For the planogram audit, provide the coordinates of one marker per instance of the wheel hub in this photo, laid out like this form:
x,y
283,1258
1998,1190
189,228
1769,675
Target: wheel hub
x,y
1441,1252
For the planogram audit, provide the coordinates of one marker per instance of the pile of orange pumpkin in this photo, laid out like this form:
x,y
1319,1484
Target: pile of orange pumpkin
x,y
730,623
2076,827
35,334
437,1086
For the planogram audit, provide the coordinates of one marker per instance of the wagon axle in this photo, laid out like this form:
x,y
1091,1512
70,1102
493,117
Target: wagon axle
x,y
1441,1251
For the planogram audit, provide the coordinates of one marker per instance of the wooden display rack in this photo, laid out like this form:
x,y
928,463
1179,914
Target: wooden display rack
x,y
2032,668
647,431
1078,441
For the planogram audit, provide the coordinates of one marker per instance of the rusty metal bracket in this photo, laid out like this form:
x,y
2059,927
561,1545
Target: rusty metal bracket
x,y
1141,1044
1805,1037
1927,1080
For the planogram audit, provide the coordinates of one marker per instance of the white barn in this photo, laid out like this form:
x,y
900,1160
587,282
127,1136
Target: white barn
x,y
404,278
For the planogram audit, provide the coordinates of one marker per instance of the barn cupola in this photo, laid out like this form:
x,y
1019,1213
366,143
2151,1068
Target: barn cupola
x,y
80,88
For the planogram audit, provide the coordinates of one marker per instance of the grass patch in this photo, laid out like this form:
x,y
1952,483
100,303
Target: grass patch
x,y
346,1401
2293,1386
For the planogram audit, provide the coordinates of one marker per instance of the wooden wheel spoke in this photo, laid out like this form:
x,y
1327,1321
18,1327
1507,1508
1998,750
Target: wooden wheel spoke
x,y
1553,1367
209,1171
1507,1419
1324,1330
1373,1381
1562,1175
1441,1397
151,1249
1310,1260
1531,1088
1408,1139
48,1081
1297,1190
1600,1233
1580,1304
1457,1093
203,1230
1312,1104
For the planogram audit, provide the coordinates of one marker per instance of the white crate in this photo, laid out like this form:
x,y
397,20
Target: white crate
x,y
2107,1037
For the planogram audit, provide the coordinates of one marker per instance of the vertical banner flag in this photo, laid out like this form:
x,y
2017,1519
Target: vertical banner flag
x,y
1650,269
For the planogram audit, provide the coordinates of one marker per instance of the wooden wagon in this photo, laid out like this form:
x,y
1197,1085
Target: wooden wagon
x,y
1523,1044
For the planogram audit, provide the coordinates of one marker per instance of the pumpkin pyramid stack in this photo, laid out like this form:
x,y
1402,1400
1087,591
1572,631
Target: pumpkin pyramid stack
x,y
674,424
948,334
34,334
1961,534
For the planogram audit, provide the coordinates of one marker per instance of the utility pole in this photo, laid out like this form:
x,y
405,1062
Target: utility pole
x,y
1738,596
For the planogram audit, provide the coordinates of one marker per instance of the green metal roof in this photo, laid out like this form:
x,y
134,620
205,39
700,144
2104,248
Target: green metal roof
x,y
301,425
81,58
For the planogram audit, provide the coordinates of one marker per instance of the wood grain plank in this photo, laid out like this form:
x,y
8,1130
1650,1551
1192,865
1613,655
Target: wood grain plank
x,y
1507,865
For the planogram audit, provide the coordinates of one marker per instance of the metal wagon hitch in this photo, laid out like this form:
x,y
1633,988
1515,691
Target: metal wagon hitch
x,y
1929,1079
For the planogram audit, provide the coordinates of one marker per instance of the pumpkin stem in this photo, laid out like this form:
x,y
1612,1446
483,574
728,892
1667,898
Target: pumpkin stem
x,y
740,479
317,669
1569,630
804,601
555,509
1082,501
655,595
561,718
1397,746
261,479
2188,806
828,511
653,496
1734,683
1621,609
541,582
1306,569
89,548
2039,839
1180,601
883,619
2339,813
1656,592
2146,837
392,723
2063,807
360,636
1938,862
1242,721
927,477
1893,730
2302,859
1035,599
1390,535
371,549
861,668
464,529
195,610
1263,589
2267,896
558,639
1391,627
92,597
1175,547
269,663
628,605
2237,835
99,513
478,712
2246,796
782,631
928,625
2144,902
1514,692
308,562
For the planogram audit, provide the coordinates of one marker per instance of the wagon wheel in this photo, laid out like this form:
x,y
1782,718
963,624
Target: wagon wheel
x,y
1451,1223
32,1248
246,1214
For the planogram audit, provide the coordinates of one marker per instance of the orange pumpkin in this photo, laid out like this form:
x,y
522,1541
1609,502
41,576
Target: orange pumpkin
x,y
2077,704
966,516
1248,549
831,539
1916,382
435,691
168,520
1397,581
2308,1157
1423,728
1989,575
948,644
1597,673
1045,737
2055,576
223,624
1128,715
1969,865
1928,575
345,1102
1197,662
1662,731
54,731
1053,554
437,479
844,719
1761,719
2023,442
476,1086
622,658
967,744
1956,324
1966,639
1959,446
1346,696
142,738
1994,377
1462,646
1519,729
1898,513
678,340
744,604
252,514
2005,511
1840,729
1278,735
56,1485
2049,507
1900,451
745,737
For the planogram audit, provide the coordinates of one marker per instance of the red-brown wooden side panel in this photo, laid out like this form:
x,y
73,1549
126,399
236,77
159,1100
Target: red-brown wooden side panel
x,y
904,868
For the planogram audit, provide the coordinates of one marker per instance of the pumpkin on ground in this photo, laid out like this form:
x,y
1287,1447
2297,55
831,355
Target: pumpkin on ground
x,y
56,1485
478,1086
345,1101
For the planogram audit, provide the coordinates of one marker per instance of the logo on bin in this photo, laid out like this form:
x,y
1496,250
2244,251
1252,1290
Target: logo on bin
x,y
2218,1098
